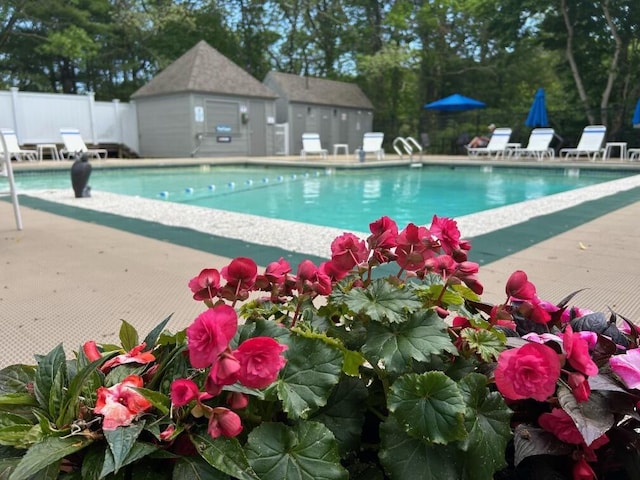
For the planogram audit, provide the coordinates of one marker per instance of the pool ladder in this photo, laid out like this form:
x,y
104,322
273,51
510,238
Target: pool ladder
x,y
406,146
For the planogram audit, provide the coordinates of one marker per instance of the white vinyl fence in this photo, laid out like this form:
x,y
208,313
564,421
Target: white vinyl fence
x,y
38,117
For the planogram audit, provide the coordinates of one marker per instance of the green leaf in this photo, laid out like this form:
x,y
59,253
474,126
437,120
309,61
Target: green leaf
x,y
49,451
382,301
531,441
128,336
9,399
121,441
408,458
16,435
305,451
226,455
7,466
137,451
50,374
16,378
429,406
312,369
487,343
487,420
425,334
344,413
159,400
195,468
152,337
593,417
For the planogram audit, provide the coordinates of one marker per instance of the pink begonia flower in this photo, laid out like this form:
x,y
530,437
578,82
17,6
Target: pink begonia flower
x,y
443,265
530,371
225,370
577,351
183,390
333,271
413,247
542,337
564,428
223,422
135,355
532,310
237,400
311,279
384,233
241,272
519,287
446,230
582,470
627,367
276,272
348,250
120,404
206,284
91,351
260,361
579,385
209,335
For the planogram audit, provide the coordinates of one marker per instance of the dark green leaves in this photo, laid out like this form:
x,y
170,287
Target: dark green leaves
x,y
50,379
226,455
306,451
429,406
382,301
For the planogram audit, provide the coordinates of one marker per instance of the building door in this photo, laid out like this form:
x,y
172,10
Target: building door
x,y
257,129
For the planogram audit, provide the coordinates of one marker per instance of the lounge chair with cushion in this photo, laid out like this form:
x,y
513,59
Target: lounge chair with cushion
x,y
496,147
372,143
74,145
7,172
13,146
538,146
590,143
311,146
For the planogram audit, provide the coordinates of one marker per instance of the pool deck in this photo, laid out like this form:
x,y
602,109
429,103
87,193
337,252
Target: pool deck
x,y
81,265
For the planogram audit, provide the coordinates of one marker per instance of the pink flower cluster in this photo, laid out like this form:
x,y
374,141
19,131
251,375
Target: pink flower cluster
x,y
255,364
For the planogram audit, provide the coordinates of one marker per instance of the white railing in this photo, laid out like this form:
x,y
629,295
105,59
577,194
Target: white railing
x,y
38,117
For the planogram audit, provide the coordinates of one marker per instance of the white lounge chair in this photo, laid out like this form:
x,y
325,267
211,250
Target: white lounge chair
x,y
74,145
538,146
7,171
13,146
311,146
634,153
497,145
590,143
372,143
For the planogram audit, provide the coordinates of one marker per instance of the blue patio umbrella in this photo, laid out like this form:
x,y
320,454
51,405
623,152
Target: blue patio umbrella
x,y
538,113
636,116
455,103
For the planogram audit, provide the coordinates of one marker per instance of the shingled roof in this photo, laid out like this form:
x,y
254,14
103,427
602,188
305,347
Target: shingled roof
x,y
203,69
320,91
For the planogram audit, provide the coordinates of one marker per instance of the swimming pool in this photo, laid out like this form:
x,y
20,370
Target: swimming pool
x,y
348,199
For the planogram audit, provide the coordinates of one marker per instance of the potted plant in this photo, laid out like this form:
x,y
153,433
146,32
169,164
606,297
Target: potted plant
x,y
382,362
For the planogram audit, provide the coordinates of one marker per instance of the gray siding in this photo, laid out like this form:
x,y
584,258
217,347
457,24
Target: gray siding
x,y
164,126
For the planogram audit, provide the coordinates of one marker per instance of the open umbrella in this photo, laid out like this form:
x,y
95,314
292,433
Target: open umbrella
x,y
636,116
538,113
455,103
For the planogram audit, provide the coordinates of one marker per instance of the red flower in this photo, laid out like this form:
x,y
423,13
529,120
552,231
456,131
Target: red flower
x,y
276,272
183,391
167,433
564,428
530,371
347,251
534,311
225,370
120,404
240,273
91,351
412,250
582,470
579,386
135,355
237,400
384,233
260,361
333,271
577,350
224,422
311,279
518,286
206,284
446,230
627,367
210,333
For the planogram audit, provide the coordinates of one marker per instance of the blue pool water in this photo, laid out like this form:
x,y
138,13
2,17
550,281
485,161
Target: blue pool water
x,y
348,199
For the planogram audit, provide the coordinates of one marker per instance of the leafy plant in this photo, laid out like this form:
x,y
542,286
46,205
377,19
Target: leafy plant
x,y
339,371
